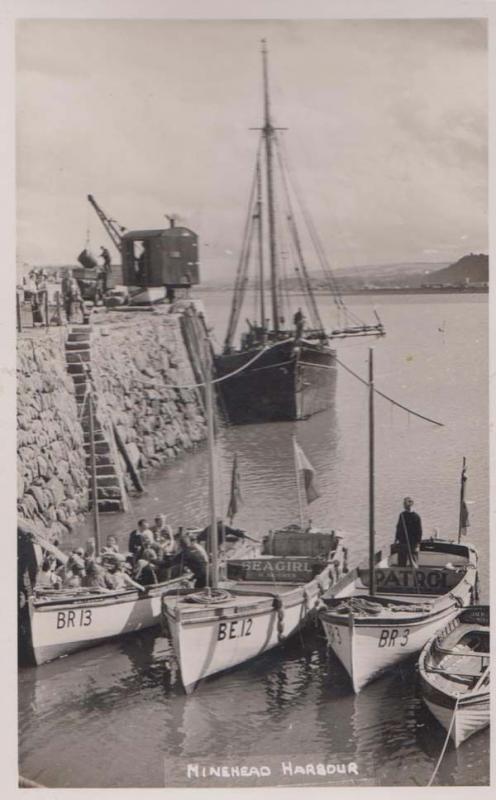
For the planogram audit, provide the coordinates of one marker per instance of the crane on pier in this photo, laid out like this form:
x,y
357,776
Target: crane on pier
x,y
162,259
114,230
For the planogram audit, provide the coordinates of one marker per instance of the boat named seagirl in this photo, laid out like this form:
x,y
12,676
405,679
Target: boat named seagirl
x,y
264,601
454,669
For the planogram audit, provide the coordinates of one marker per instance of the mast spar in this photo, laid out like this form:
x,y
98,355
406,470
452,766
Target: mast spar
x,y
268,133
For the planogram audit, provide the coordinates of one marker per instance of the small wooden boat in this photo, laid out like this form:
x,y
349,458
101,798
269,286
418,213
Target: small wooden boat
x,y
370,634
62,623
264,600
57,622
454,674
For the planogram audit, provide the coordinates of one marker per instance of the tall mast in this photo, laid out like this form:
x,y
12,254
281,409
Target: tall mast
x,y
260,246
372,587
213,539
268,132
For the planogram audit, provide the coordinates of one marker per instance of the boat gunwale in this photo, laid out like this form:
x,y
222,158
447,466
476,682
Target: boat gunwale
x,y
187,615
113,597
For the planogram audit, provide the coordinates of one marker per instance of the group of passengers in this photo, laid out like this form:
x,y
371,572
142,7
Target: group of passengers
x,y
155,554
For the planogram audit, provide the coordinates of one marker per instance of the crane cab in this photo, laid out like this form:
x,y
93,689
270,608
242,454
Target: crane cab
x,y
160,258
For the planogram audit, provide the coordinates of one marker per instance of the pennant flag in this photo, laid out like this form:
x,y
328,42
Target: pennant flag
x,y
307,472
464,520
236,501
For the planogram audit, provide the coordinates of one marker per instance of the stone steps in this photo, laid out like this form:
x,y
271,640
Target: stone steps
x,y
78,365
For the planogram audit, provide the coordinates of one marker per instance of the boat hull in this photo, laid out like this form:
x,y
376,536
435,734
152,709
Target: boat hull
x,y
214,640
471,716
61,627
289,381
367,650
452,677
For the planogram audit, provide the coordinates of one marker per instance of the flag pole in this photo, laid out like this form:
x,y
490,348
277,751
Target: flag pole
x,y
213,543
462,499
371,475
298,488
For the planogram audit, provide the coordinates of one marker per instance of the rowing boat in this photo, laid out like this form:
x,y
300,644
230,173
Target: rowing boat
x,y
370,634
454,669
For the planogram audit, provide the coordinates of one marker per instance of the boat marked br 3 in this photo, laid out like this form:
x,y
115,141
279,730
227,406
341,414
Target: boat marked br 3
x,y
389,637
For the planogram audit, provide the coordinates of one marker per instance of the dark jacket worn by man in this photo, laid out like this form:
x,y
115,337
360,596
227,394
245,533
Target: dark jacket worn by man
x,y
408,534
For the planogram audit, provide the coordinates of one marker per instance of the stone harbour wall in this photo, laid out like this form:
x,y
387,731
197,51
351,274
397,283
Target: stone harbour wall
x,y
52,486
136,362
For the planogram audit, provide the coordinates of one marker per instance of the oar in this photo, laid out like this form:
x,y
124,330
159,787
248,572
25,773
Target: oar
x,y
246,536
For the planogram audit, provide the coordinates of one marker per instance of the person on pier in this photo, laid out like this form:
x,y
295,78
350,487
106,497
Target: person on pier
x,y
408,535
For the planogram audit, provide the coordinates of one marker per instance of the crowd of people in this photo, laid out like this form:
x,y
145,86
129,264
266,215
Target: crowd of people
x,y
154,554
35,292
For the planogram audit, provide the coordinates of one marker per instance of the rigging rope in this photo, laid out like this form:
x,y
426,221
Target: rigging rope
x,y
317,244
264,350
389,399
304,277
241,273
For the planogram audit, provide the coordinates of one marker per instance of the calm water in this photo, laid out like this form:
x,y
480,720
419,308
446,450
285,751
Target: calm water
x,y
113,715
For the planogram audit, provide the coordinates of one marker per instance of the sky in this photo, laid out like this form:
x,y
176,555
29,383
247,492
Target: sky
x,y
387,132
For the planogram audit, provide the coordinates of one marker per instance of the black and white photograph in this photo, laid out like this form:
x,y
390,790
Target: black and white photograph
x,y
252,380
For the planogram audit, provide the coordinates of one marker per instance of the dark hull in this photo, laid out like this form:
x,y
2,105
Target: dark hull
x,y
287,382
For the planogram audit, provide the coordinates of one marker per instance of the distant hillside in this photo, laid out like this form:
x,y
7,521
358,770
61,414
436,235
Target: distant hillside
x,y
468,269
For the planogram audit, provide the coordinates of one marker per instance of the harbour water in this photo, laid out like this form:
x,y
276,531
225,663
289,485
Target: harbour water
x,y
116,715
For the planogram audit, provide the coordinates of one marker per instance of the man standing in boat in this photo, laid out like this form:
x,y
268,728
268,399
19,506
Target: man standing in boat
x,y
299,322
408,535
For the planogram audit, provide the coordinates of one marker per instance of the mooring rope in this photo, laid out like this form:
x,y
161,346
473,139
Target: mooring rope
x,y
445,743
266,349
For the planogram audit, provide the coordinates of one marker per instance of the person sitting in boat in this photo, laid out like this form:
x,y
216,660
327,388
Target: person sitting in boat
x,y
74,572
408,535
162,533
118,577
193,556
224,533
47,578
96,577
89,552
111,545
145,572
299,322
135,545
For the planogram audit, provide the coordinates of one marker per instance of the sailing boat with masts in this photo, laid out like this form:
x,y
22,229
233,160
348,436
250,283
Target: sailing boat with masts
x,y
377,617
285,367
264,599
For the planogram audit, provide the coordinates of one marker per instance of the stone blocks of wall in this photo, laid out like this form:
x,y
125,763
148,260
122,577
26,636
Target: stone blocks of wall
x,y
52,485
136,363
